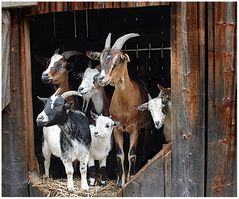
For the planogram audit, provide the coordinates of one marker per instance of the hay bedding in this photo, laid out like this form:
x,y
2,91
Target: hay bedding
x,y
57,188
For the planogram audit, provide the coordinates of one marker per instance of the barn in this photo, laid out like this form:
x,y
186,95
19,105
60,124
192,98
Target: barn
x,y
190,47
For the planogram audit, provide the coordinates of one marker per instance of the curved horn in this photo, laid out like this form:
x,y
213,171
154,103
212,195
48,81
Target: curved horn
x,y
69,93
108,41
57,91
68,54
120,42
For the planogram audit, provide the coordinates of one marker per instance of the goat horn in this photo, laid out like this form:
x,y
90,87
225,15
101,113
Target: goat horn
x,y
120,42
57,91
108,41
68,54
69,93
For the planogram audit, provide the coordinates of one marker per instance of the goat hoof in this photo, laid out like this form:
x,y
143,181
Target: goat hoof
x,y
70,189
103,183
92,181
45,177
85,187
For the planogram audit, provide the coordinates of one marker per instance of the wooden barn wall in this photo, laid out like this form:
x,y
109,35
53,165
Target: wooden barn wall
x,y
46,7
18,155
221,152
188,98
6,32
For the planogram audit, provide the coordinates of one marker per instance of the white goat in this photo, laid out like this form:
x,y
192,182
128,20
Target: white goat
x,y
160,109
101,144
89,89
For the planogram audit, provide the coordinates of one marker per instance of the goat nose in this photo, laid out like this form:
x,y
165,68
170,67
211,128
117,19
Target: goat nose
x,y
101,77
40,117
44,74
96,133
80,89
156,123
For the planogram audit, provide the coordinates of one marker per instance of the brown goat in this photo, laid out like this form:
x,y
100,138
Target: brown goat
x,y
126,95
57,70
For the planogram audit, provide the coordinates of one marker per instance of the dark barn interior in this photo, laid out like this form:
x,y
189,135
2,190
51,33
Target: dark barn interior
x,y
87,30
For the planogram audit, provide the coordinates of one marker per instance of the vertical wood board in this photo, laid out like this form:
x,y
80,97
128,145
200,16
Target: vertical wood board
x,y
221,155
6,34
188,99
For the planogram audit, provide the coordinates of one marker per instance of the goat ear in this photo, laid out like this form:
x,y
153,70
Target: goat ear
x,y
93,115
125,57
142,107
116,124
69,67
166,91
93,55
69,105
44,100
57,51
41,60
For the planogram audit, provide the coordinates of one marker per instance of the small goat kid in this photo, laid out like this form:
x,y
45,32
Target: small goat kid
x,y
89,89
160,109
71,141
126,96
101,144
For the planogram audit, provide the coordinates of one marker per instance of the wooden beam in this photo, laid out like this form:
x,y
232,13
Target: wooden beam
x,y
15,4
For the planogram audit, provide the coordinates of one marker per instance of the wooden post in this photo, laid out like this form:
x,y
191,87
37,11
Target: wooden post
x,y
221,155
188,98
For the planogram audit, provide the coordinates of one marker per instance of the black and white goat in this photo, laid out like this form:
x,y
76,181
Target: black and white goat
x,y
101,144
160,109
72,141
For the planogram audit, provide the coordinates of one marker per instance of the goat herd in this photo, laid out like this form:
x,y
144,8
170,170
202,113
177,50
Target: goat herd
x,y
67,131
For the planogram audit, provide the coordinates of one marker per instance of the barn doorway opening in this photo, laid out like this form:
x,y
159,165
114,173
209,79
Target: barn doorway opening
x,y
87,30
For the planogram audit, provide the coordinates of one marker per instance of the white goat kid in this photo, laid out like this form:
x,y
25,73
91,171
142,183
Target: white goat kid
x,y
101,144
160,108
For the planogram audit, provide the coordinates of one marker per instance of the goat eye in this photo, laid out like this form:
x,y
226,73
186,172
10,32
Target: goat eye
x,y
117,61
107,126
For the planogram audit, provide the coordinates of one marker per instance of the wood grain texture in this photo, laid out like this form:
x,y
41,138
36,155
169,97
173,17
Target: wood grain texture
x,y
188,99
221,155
45,7
6,34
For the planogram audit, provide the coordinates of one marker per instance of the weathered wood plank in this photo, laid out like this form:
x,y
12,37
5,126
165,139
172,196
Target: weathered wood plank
x,y
32,163
43,7
221,155
14,165
167,174
15,4
188,99
6,34
150,180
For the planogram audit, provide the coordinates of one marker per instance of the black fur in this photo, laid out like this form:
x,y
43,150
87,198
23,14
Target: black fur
x,y
76,127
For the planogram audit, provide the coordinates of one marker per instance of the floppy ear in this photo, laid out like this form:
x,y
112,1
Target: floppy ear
x,y
69,105
44,100
94,116
125,57
93,55
143,107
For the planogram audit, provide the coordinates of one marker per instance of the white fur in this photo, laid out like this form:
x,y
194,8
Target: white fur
x,y
101,143
90,92
54,58
51,145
